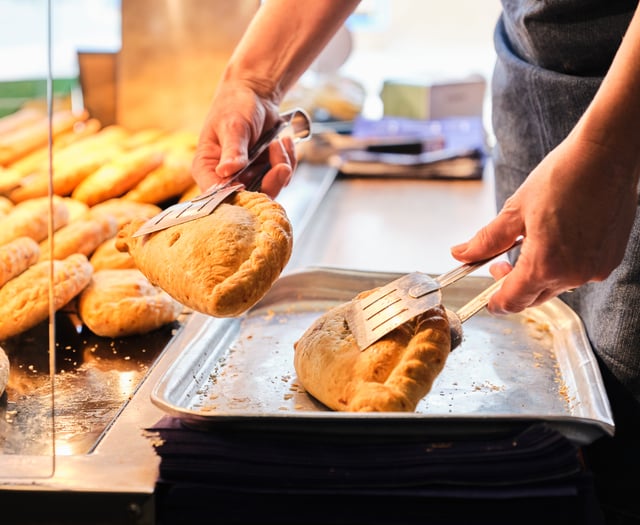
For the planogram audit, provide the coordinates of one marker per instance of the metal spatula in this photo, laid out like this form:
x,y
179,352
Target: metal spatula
x,y
468,310
295,123
395,303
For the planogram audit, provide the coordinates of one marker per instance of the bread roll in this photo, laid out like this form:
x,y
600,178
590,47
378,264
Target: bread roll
x,y
16,256
24,300
119,303
20,141
31,219
5,206
81,236
124,211
9,179
171,179
20,118
392,375
119,175
73,164
108,257
38,160
220,264
77,209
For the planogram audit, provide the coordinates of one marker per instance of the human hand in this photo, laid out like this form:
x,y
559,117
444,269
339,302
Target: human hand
x,y
236,119
575,211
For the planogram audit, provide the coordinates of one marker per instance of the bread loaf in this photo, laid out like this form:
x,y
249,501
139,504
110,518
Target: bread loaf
x,y
73,164
80,236
108,257
31,219
24,300
16,256
20,141
119,175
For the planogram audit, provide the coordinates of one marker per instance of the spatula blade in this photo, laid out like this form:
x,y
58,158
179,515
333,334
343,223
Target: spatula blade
x,y
372,317
187,211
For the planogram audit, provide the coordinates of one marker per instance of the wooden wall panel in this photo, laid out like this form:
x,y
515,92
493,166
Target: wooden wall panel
x,y
173,53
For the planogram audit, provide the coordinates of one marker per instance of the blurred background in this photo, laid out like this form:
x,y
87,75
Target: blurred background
x,y
385,43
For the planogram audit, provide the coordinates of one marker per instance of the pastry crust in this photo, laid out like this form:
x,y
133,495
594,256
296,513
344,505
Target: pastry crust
x,y
118,176
392,375
220,264
24,300
169,180
119,303
125,211
16,256
31,219
81,236
108,257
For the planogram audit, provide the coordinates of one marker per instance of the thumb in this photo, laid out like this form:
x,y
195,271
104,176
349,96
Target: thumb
x,y
234,145
490,240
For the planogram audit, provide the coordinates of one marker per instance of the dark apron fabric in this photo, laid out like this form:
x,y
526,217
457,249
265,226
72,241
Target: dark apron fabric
x,y
551,57
534,108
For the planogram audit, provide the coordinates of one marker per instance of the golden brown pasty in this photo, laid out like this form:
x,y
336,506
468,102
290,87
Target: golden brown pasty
x,y
220,264
16,256
108,257
80,236
393,374
31,219
119,303
24,300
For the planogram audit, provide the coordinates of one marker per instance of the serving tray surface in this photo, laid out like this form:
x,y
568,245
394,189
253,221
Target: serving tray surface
x,y
509,370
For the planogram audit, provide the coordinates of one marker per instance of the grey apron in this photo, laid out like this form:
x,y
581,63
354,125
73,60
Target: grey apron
x,y
551,57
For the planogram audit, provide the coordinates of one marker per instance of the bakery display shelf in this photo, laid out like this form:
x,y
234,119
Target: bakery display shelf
x,y
95,413
509,371
95,377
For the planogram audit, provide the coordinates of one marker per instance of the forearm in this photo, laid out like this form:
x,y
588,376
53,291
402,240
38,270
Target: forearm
x,y
283,40
613,118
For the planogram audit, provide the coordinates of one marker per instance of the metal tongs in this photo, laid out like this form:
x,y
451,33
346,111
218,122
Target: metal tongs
x,y
399,301
295,123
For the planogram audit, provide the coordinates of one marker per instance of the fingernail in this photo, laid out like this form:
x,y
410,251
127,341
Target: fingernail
x,y
460,248
284,174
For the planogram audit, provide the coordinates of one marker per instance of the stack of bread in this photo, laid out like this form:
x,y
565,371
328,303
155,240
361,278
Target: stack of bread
x,y
106,181
102,178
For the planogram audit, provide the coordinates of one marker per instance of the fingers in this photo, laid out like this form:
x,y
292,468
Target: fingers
x,y
490,240
283,161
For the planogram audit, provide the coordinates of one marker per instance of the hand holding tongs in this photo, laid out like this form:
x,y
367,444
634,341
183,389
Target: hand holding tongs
x,y
295,123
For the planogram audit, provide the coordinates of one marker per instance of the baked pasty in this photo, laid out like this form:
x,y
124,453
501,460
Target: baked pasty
x,y
31,219
24,300
108,257
393,374
80,236
119,303
16,256
220,264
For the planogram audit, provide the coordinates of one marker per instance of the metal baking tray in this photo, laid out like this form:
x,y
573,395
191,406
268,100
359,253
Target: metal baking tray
x,y
509,371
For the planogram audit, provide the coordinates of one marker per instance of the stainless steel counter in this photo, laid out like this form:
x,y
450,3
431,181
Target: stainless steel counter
x,y
394,225
384,225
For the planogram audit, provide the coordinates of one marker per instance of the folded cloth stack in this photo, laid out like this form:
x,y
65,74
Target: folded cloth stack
x,y
531,474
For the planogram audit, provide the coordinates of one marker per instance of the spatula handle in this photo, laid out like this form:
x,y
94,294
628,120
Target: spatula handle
x,y
456,274
478,302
